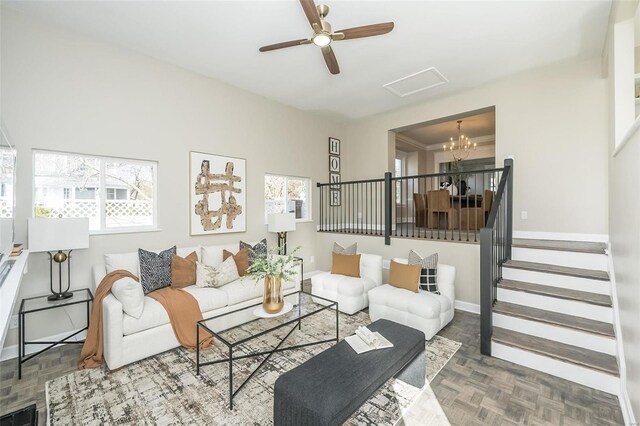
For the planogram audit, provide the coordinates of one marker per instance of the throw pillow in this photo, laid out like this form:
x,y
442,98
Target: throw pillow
x,y
209,276
346,264
352,249
129,292
183,270
258,250
241,258
404,276
429,272
155,269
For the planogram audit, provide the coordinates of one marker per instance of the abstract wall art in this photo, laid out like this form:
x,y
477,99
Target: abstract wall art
x,y
217,194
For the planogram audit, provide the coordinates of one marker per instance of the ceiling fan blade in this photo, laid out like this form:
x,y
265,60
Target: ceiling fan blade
x,y
330,59
311,11
364,31
284,44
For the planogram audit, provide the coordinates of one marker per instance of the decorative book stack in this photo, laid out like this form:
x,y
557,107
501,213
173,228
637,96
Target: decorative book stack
x,y
17,250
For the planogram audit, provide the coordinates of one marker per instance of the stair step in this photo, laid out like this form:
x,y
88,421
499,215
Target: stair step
x,y
560,351
555,318
559,270
558,292
574,246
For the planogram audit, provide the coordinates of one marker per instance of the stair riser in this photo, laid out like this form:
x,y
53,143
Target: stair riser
x,y
565,335
562,281
575,373
563,306
562,258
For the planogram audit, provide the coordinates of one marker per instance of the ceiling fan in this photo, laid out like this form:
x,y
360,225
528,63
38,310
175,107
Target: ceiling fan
x,y
323,35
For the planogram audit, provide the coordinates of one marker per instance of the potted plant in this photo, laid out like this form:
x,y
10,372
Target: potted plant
x,y
273,268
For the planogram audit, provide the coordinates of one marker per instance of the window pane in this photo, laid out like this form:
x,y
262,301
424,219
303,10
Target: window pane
x,y
129,194
53,173
297,191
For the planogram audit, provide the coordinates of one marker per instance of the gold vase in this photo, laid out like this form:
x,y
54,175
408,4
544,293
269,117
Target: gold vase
x,y
272,300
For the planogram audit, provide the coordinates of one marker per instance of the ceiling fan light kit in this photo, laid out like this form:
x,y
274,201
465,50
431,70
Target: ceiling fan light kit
x,y
323,35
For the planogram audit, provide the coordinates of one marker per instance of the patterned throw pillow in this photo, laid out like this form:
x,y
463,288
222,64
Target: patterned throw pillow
x,y
429,273
352,249
259,250
209,276
155,269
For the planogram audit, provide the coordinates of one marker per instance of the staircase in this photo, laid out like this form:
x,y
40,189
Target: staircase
x,y
554,312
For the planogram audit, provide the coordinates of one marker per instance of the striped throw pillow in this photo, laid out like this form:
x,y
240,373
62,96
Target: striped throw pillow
x,y
429,272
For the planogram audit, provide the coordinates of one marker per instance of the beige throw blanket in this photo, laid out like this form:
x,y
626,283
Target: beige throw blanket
x,y
182,308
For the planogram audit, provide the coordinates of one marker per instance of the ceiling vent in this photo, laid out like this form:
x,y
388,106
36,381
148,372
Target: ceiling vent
x,y
417,82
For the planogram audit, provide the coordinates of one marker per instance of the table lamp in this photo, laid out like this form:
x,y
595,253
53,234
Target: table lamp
x,y
281,223
55,236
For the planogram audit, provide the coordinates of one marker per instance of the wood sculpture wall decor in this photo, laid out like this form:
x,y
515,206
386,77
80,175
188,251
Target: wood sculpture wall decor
x,y
217,195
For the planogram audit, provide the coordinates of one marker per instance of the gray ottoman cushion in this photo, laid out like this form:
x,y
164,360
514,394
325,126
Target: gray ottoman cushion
x,y
332,385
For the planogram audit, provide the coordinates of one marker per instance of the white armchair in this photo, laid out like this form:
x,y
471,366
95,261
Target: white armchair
x,y
424,311
351,293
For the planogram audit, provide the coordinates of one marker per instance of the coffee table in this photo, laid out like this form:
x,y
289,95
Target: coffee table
x,y
223,329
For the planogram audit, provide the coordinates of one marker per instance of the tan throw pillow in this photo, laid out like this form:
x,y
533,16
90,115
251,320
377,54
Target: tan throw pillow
x,y
404,276
241,258
183,270
346,264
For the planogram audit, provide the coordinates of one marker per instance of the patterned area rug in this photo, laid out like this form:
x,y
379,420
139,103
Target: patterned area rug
x,y
164,389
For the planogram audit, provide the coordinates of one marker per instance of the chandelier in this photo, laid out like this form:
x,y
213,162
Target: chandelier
x,y
463,148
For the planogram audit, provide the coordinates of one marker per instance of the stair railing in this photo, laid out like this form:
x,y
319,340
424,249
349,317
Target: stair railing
x,y
495,249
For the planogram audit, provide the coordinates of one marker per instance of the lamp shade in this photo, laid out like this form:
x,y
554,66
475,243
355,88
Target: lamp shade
x,y
281,222
58,234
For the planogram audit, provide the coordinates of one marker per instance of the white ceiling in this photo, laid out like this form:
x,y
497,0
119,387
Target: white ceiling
x,y
473,126
470,42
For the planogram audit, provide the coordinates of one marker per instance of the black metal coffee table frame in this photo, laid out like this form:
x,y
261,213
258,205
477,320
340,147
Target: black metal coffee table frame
x,y
298,324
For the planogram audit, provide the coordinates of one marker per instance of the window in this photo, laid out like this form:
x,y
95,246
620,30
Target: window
x,y
71,185
399,172
287,194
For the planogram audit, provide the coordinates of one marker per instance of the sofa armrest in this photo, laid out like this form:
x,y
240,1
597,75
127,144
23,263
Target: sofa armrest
x,y
98,272
112,331
446,281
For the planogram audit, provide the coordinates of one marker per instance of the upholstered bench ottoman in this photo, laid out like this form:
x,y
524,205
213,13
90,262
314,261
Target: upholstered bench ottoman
x,y
331,386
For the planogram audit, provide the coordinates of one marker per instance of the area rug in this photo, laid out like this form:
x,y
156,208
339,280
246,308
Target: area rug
x,y
165,390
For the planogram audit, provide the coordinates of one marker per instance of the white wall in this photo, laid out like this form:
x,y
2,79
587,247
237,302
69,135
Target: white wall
x,y
65,92
553,120
624,205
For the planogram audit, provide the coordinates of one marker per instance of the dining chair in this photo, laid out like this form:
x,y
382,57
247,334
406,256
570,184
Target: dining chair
x,y
439,205
420,210
474,218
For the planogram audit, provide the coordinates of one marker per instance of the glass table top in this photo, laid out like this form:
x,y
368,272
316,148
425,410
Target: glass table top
x,y
243,324
40,303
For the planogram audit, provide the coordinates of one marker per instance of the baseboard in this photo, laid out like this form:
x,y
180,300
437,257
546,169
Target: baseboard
x,y
10,352
623,397
467,307
561,236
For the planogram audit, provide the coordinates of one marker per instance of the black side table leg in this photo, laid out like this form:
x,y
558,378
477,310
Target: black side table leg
x,y
20,345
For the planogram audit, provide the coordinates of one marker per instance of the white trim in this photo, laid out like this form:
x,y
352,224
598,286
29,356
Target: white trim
x,y
623,396
10,352
561,236
627,136
467,307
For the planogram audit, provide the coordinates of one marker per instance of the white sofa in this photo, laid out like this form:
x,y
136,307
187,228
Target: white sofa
x,y
351,293
127,339
424,311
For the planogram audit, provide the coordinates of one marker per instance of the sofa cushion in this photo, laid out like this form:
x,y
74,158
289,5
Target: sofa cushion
x,y
216,276
183,270
422,304
154,314
129,292
127,261
155,269
343,285
247,288
345,264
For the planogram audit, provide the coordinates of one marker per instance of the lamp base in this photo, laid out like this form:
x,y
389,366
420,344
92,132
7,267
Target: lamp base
x,y
60,296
